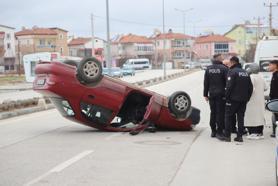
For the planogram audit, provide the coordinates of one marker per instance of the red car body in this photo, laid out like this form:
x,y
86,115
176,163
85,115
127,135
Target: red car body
x,y
97,105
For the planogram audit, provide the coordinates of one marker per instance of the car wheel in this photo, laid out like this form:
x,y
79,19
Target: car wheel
x,y
89,70
179,104
71,62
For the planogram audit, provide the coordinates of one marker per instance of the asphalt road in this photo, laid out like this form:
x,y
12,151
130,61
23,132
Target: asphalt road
x,y
45,149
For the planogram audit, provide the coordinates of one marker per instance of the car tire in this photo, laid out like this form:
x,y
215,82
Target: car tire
x,y
71,62
89,70
179,104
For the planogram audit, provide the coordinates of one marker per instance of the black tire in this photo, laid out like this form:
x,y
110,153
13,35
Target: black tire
x,y
89,70
179,104
71,62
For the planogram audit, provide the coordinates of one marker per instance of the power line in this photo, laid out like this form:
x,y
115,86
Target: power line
x,y
157,25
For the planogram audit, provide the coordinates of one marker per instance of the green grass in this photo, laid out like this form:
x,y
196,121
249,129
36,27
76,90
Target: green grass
x,y
11,79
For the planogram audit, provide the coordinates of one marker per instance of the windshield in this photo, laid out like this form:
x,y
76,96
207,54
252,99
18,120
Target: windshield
x,y
63,106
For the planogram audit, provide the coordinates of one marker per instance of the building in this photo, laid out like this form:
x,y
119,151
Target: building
x,y
8,62
132,46
82,47
245,35
42,40
178,48
206,46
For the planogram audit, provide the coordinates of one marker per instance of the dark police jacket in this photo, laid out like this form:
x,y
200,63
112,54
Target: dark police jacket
x,y
274,86
239,86
215,80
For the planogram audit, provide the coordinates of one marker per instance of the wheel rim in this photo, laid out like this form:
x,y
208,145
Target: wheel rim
x,y
91,69
181,103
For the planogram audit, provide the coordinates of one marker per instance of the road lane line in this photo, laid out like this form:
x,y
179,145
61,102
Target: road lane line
x,y
60,167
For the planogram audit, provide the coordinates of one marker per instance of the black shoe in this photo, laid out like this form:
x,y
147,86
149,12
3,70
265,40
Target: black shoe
x,y
219,136
273,135
238,139
213,134
226,139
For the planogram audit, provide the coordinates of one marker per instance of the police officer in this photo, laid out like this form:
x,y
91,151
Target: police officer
x,y
273,94
214,93
239,89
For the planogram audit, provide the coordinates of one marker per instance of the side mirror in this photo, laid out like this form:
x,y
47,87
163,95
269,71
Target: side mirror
x,y
272,106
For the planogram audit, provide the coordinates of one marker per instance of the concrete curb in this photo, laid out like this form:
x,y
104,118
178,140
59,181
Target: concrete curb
x,y
6,115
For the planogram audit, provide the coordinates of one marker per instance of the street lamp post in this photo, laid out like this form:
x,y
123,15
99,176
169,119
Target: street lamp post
x,y
108,55
164,40
184,31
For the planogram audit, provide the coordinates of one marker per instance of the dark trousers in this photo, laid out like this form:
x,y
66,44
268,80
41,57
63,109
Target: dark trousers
x,y
255,130
217,113
274,119
234,108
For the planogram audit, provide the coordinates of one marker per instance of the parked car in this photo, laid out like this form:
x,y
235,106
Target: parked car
x,y
110,104
204,65
128,70
115,72
272,106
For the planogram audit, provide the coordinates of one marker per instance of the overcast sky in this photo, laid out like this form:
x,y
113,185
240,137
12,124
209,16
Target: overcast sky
x,y
132,16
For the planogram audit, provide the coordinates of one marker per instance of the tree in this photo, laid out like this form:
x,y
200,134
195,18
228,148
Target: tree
x,y
250,53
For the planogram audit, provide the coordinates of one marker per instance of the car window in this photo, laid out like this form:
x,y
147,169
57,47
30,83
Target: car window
x,y
95,113
63,106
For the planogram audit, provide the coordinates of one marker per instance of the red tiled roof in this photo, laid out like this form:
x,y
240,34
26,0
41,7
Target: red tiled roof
x,y
130,38
79,41
171,35
213,38
36,31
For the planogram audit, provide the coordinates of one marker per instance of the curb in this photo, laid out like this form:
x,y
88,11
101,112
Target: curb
x,y
6,115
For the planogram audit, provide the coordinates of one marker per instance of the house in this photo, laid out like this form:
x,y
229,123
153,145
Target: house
x,y
245,35
8,62
178,48
82,47
132,46
206,46
2,52
42,40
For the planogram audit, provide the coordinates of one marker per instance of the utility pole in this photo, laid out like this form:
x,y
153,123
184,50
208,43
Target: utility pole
x,y
184,32
164,40
93,35
108,56
258,32
270,6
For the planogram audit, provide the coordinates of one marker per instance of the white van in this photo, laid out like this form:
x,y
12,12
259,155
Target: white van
x,y
267,50
138,64
30,61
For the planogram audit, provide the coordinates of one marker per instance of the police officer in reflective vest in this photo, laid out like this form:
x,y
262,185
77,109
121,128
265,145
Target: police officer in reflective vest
x,y
239,89
214,93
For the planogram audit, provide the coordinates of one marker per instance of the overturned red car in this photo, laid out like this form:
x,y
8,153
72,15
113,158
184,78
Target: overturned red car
x,y
82,94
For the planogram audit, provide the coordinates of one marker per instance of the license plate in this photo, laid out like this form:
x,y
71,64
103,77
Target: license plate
x,y
41,82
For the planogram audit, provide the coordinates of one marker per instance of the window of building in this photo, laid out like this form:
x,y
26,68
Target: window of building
x,y
42,42
61,36
8,45
11,67
61,50
8,36
7,67
220,48
28,42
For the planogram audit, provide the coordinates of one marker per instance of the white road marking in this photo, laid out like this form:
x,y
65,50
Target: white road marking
x,y
108,138
60,167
